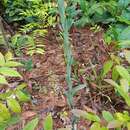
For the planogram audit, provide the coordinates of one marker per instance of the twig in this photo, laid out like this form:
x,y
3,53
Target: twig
x,y
4,34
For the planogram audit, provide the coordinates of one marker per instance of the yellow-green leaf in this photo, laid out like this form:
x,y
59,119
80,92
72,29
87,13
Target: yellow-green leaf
x,y
21,86
124,84
48,122
123,72
128,126
14,105
8,56
4,112
9,72
115,74
122,117
125,95
3,80
85,115
120,89
12,64
22,96
95,126
31,125
114,124
2,59
1,120
107,67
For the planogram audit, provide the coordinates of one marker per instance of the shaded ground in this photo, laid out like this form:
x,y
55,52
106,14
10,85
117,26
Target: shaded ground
x,y
47,80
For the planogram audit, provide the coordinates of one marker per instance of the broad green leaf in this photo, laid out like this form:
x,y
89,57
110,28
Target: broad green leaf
x,y
124,44
28,65
2,127
9,72
92,117
48,123
5,95
8,56
115,74
123,3
3,80
12,121
2,59
107,67
12,64
116,59
124,84
124,94
107,116
31,125
4,112
21,86
85,115
5,3
122,117
1,120
104,128
120,89
14,105
115,124
123,72
128,126
95,126
125,34
22,96
127,55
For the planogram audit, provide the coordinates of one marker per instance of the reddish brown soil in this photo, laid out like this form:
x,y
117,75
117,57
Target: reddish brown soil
x,y
47,80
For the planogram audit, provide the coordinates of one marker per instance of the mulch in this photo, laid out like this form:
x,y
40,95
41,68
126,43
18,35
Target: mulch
x,y
47,83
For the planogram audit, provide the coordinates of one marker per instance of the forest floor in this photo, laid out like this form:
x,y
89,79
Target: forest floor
x,y
47,83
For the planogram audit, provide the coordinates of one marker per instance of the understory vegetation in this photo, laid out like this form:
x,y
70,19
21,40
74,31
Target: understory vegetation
x,y
26,26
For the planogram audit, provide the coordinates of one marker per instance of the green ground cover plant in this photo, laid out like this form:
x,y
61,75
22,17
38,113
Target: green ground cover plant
x,y
10,98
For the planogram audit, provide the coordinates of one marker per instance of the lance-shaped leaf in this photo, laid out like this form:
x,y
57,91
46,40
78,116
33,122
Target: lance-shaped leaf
x,y
9,72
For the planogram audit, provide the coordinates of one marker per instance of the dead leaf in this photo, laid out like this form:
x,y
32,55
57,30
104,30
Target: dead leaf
x,y
28,114
64,129
88,109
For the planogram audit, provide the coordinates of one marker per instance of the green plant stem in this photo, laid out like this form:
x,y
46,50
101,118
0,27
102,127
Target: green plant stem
x,y
68,56
67,50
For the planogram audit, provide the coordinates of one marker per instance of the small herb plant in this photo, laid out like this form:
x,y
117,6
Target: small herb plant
x,y
118,121
10,96
7,67
34,14
25,43
119,74
42,18
47,124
